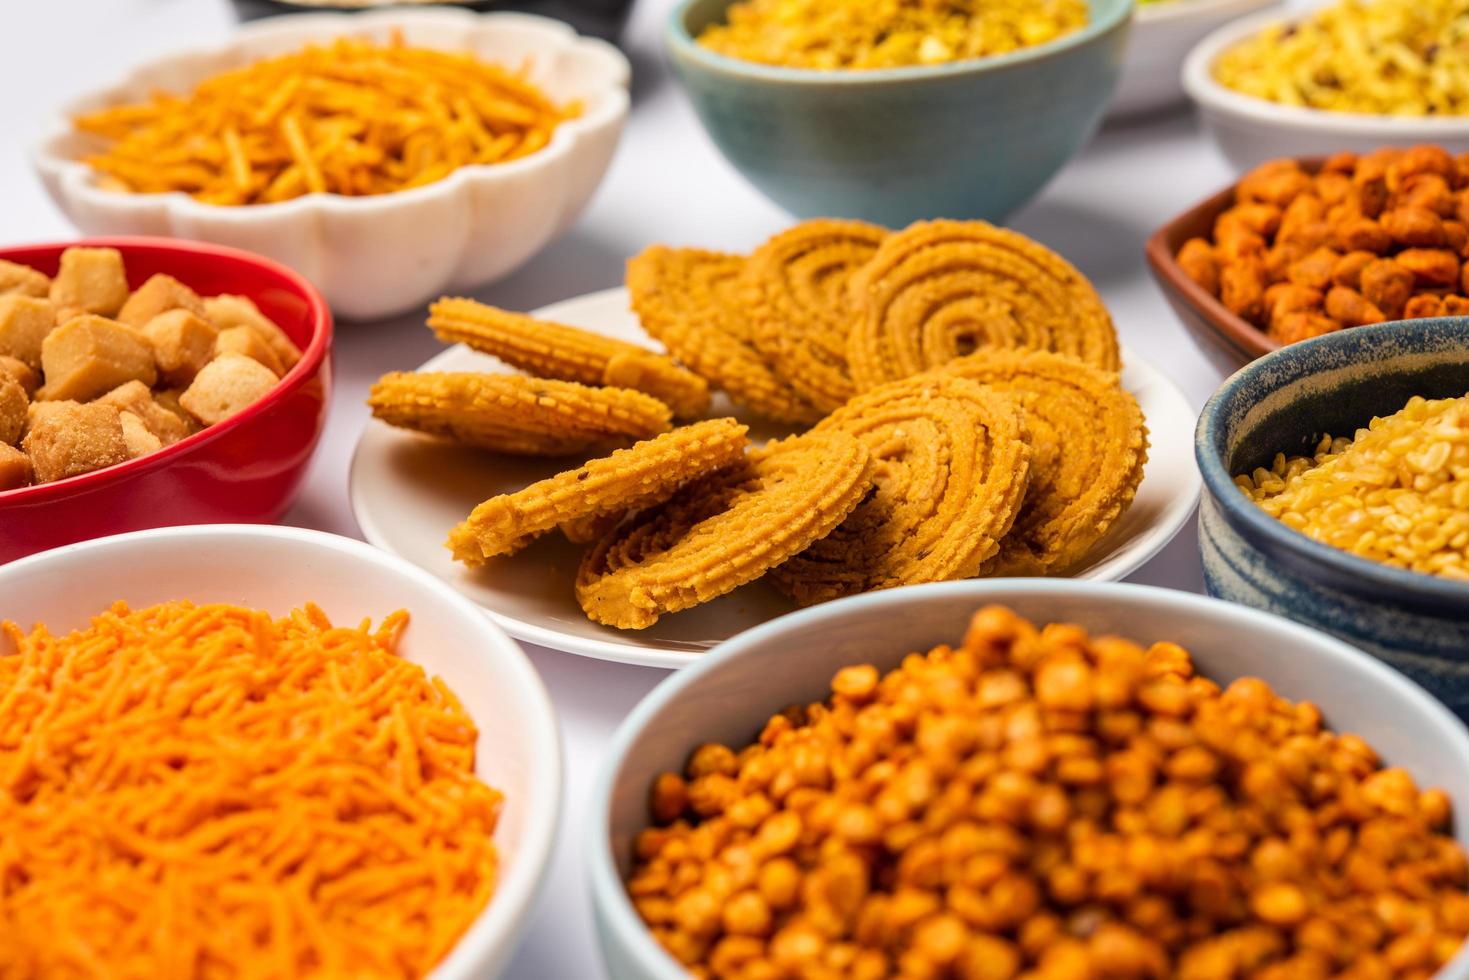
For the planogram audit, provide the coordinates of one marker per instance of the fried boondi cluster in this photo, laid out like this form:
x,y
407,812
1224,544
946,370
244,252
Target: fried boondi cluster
x,y
1379,57
208,791
93,373
987,434
1397,492
352,117
855,34
1361,240
1039,803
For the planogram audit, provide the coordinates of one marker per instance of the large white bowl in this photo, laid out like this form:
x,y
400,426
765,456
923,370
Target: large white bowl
x,y
278,569
1250,131
729,694
384,254
1162,36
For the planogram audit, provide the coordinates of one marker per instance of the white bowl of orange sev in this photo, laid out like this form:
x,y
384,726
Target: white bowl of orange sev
x,y
263,751
388,157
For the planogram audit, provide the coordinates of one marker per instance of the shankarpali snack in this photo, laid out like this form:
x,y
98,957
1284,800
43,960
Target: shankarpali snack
x,y
789,494
511,413
1088,446
1037,802
352,117
1380,57
856,34
1397,492
633,477
941,289
207,790
800,305
952,464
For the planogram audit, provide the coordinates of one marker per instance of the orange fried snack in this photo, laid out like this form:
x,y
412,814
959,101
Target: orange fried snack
x,y
630,478
1089,443
552,350
705,329
941,289
721,535
799,303
952,466
510,413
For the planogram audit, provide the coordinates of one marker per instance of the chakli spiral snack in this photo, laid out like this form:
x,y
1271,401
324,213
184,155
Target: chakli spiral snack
x,y
952,463
552,350
1088,442
634,477
707,543
798,286
675,296
941,289
510,413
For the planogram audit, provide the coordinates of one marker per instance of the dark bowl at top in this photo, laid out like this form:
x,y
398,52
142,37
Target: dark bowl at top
x,y
1284,402
599,18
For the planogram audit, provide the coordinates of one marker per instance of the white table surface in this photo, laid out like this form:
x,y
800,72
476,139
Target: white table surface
x,y
668,184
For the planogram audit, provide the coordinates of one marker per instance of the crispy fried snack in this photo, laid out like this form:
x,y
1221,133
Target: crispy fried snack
x,y
1089,443
552,350
952,466
509,413
724,532
798,288
941,289
705,328
634,477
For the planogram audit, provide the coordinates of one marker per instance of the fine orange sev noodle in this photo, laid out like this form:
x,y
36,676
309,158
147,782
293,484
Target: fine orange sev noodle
x,y
352,117
205,791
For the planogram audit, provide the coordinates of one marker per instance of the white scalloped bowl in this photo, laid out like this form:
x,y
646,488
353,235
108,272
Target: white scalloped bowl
x,y
385,254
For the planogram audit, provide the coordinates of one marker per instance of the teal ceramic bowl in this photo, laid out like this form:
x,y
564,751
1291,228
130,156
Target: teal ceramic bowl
x,y
971,139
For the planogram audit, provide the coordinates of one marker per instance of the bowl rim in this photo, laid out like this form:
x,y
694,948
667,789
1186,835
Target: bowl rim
x,y
679,42
1241,512
313,357
1172,11
511,913
609,894
1211,95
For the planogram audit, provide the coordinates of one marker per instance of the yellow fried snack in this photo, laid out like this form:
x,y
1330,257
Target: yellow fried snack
x,y
630,478
952,466
798,288
552,350
1089,443
716,538
676,304
941,289
510,413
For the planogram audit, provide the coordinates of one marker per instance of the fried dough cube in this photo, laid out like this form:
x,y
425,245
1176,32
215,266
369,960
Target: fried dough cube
x,y
182,344
168,400
90,280
24,323
15,468
227,310
14,407
137,436
249,343
135,399
22,280
159,294
88,356
227,384
69,439
29,377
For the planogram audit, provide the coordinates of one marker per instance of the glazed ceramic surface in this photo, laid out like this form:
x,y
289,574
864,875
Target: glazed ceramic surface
x,y
1285,402
279,569
728,696
1162,36
388,253
531,596
973,139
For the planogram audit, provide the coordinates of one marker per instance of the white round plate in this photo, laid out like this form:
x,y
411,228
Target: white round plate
x,y
407,491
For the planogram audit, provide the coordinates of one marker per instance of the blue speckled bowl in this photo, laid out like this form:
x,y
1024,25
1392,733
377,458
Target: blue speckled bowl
x,y
972,139
1284,402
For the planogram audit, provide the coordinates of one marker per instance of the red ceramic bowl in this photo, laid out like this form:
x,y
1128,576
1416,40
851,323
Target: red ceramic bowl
x,y
246,469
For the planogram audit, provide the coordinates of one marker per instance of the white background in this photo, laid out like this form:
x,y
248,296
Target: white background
x,y
668,184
